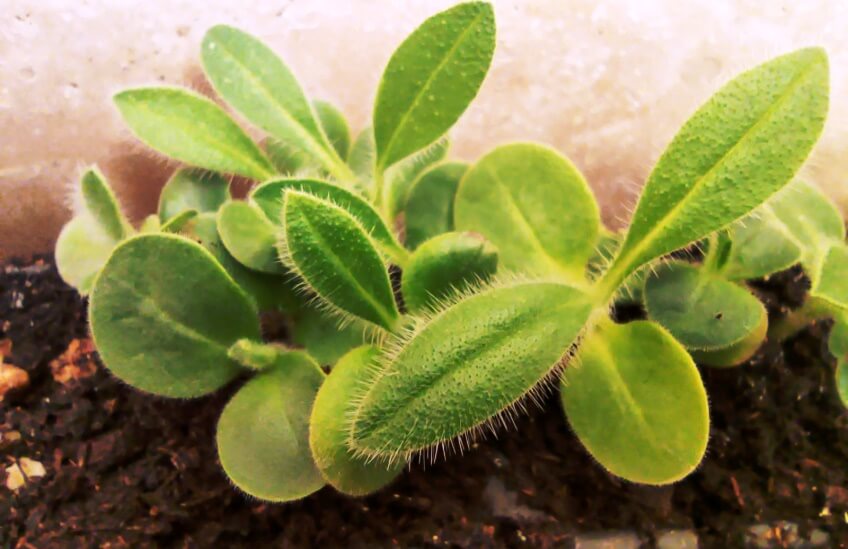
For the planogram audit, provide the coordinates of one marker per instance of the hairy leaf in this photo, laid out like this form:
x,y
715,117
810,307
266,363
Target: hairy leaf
x,y
178,222
466,365
163,314
535,207
329,249
636,401
335,127
192,129
249,236
328,429
81,251
323,336
431,79
361,158
738,149
444,265
401,176
192,189
263,433
101,203
429,206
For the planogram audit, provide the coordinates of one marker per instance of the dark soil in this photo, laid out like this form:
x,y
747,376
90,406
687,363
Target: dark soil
x,y
127,469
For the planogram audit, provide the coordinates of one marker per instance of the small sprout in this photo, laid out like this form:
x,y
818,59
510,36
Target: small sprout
x,y
429,205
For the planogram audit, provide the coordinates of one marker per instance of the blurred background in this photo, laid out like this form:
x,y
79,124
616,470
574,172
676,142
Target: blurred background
x,y
605,82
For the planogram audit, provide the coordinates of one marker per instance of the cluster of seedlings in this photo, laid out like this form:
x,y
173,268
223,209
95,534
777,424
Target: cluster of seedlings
x,y
507,274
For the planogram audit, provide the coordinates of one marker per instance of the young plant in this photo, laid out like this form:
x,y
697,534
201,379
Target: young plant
x,y
174,306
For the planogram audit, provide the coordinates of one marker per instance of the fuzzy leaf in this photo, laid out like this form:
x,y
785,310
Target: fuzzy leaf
x,y
263,433
429,206
444,265
81,251
702,311
361,158
192,189
192,129
534,206
636,401
335,127
101,203
738,149
328,433
269,197
249,236
465,365
251,78
322,335
329,249
762,245
152,326
402,175
431,79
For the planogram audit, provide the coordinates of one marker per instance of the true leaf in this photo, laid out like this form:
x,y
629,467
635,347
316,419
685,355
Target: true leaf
x,y
534,206
328,429
636,401
402,175
361,158
335,127
192,189
249,236
323,336
263,433
192,129
762,245
467,364
251,78
101,203
155,330
176,223
444,265
842,381
429,205
738,149
831,284
431,79
81,251
330,250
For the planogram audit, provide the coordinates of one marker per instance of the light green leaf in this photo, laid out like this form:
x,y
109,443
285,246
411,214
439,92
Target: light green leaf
x,y
155,330
431,79
832,284
251,78
331,251
842,381
465,365
328,429
81,251
429,206
738,149
192,129
361,159
534,206
192,189
101,203
838,339
150,224
249,236
445,265
761,246
263,433
323,336
335,127
176,223
401,176
636,401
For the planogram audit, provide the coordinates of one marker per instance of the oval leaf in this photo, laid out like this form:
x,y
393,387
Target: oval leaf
x,y
192,189
81,251
333,254
101,203
636,401
444,265
431,79
249,236
701,310
335,127
323,335
178,222
328,429
152,326
534,206
251,78
466,365
361,159
263,433
429,206
192,129
738,149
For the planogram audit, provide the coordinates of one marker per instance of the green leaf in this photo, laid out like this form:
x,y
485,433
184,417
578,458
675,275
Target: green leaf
x,y
831,284
81,251
176,223
269,197
636,401
445,265
251,78
192,129
429,206
328,429
402,175
263,433
101,203
431,79
535,207
702,311
466,365
361,158
738,149
335,127
842,381
164,313
331,251
249,236
150,224
761,246
838,339
192,189
323,336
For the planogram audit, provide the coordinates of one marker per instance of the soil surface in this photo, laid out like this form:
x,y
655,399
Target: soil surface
x,y
126,469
